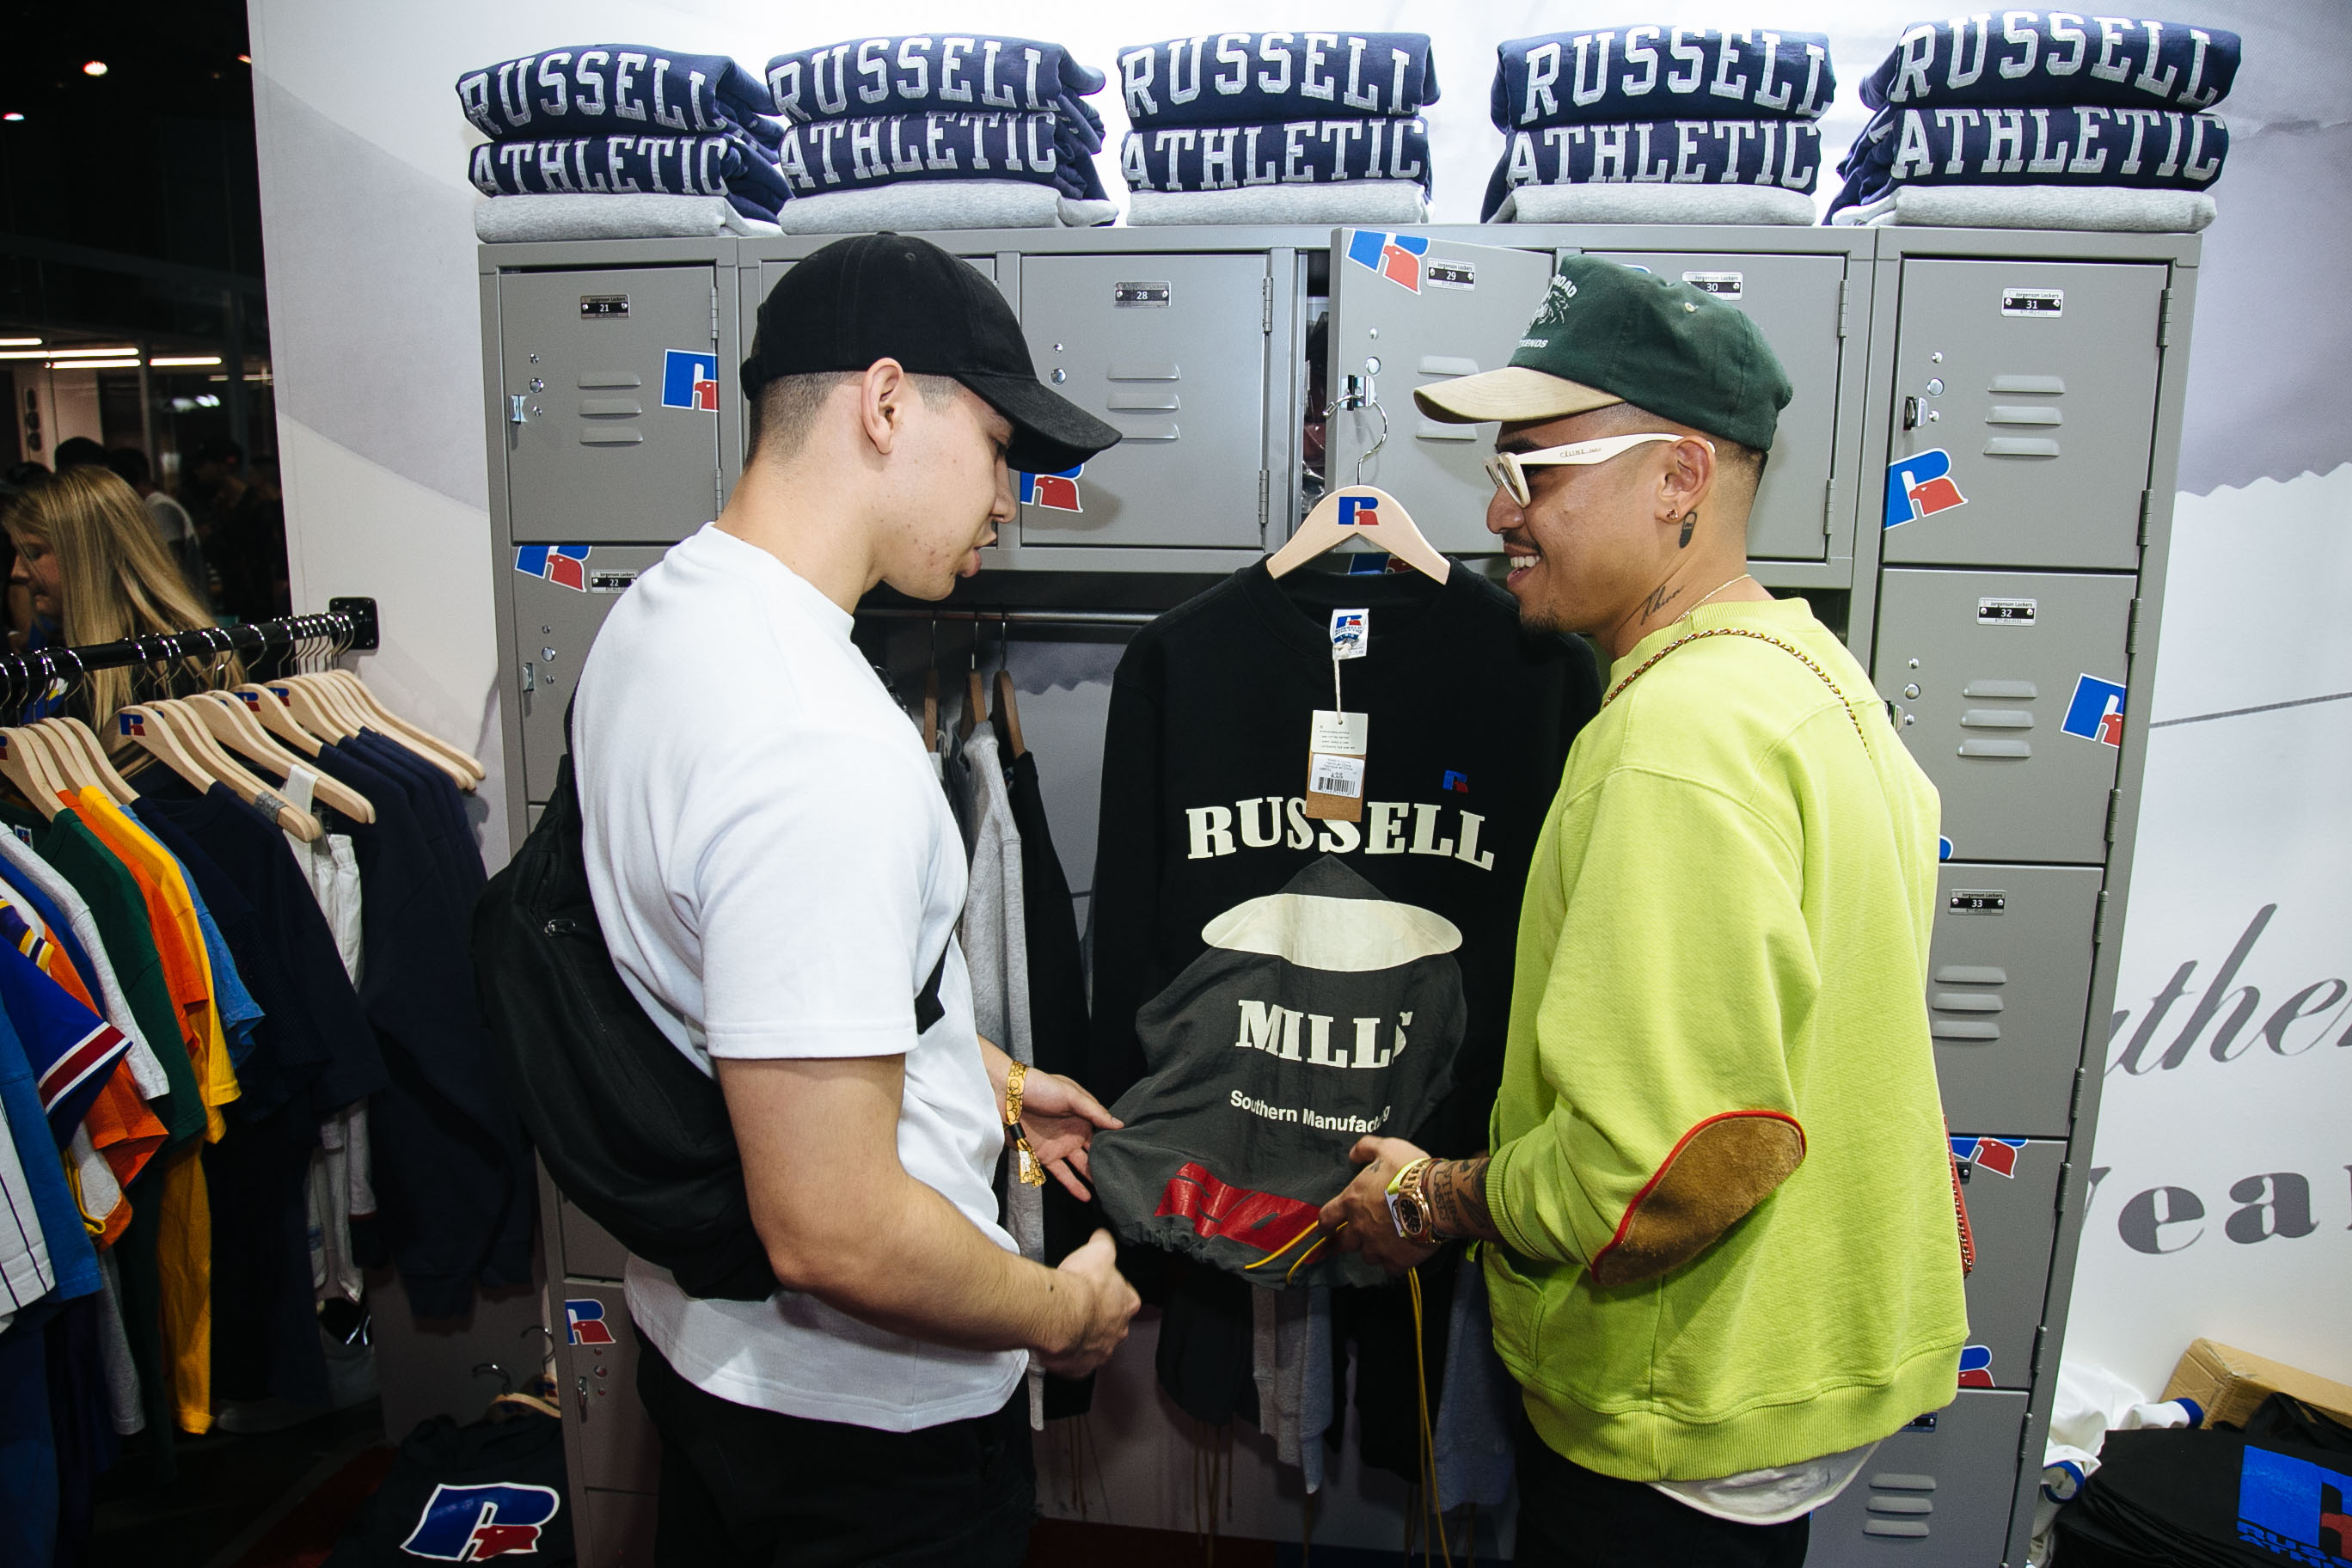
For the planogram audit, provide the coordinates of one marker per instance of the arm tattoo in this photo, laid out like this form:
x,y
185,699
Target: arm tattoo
x,y
1659,600
1457,1199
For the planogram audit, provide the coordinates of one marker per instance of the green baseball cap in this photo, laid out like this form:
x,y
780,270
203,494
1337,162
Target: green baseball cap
x,y
1611,334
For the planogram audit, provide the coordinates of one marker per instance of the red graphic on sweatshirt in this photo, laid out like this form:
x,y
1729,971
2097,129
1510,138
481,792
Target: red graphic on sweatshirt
x,y
1222,1212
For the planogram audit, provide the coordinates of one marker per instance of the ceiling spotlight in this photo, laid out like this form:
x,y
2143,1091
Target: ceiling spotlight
x,y
93,67
20,343
12,115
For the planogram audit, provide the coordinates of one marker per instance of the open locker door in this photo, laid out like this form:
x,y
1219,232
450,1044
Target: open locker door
x,y
1408,311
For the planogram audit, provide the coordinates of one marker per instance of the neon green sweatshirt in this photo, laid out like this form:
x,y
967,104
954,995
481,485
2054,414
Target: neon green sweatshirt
x,y
1727,916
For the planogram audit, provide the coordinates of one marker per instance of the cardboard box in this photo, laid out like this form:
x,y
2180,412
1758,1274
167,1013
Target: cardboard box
x,y
2229,1383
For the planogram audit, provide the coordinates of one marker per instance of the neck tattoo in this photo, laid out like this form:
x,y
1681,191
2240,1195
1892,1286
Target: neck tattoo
x,y
1690,520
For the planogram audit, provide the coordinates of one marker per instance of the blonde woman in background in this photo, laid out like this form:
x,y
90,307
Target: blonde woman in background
x,y
88,553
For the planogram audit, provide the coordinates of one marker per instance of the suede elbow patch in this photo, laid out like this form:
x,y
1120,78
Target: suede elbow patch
x,y
1722,1168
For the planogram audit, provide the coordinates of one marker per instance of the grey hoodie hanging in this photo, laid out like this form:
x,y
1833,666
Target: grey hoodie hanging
x,y
1318,1015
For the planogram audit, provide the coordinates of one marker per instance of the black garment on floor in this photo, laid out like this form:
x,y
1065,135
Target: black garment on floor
x,y
456,1193
1057,1023
468,1494
1470,720
2211,1498
1571,1516
745,1485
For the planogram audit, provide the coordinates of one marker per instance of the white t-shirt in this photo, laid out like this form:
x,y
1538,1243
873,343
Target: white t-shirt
x,y
1775,1495
776,872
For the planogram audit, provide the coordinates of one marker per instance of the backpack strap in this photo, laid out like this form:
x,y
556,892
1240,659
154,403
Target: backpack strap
x,y
928,1010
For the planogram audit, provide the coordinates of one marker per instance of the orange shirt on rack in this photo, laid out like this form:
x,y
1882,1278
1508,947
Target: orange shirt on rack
x,y
120,1126
179,941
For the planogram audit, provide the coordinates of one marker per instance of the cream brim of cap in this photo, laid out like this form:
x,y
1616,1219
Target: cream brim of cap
x,y
1513,394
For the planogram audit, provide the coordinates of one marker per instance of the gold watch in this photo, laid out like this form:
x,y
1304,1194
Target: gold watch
x,y
1409,1204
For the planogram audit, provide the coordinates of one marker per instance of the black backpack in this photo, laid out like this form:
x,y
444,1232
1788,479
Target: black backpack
x,y
633,1132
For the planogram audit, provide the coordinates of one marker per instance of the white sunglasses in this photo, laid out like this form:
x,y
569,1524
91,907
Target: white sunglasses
x,y
1508,469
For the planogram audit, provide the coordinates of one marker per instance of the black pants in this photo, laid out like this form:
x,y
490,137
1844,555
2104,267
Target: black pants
x,y
1571,1517
745,1485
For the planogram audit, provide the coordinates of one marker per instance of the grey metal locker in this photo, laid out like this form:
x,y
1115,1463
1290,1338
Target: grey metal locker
x,y
622,1526
560,604
1796,301
2010,1187
1171,351
1417,319
619,1449
1934,1495
2008,975
2024,407
590,1251
2009,687
614,390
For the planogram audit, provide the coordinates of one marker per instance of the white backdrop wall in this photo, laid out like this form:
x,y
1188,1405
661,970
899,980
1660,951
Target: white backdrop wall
x,y
2224,1203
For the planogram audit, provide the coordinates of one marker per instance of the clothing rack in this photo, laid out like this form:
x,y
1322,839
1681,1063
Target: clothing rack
x,y
349,623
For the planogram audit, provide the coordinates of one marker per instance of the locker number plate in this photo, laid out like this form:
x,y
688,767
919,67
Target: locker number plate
x,y
610,582
1722,285
2033,301
603,306
1979,901
1450,275
1135,294
2006,611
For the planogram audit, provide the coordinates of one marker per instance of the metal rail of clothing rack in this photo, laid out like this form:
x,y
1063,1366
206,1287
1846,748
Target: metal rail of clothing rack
x,y
1019,618
349,625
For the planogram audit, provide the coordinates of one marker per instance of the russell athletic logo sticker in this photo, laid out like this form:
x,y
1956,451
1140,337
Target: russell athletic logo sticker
x,y
1920,486
586,1316
690,380
1395,256
472,1524
2095,712
1056,492
566,566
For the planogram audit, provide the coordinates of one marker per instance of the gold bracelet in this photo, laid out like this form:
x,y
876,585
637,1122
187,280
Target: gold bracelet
x,y
1032,1174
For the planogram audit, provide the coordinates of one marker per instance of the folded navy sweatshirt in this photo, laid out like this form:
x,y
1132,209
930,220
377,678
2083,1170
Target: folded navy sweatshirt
x,y
2056,57
726,165
2146,148
1257,78
1295,152
1651,71
1779,153
1044,148
950,73
606,88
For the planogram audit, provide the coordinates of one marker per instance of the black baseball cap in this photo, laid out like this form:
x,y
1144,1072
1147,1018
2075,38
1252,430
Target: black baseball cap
x,y
891,296
1610,333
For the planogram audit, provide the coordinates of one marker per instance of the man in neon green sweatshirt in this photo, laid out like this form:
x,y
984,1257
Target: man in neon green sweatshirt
x,y
1717,1210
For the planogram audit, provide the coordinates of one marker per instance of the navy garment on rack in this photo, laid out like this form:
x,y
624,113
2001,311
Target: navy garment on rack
x,y
721,165
2057,56
1229,79
453,1177
1785,153
2145,149
1046,148
1650,71
866,78
1299,153
597,88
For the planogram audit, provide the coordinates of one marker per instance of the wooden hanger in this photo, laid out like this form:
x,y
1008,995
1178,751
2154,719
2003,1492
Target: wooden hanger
x,y
163,743
339,701
306,709
975,701
72,741
234,727
371,707
200,747
27,763
1370,514
1008,716
931,709
276,718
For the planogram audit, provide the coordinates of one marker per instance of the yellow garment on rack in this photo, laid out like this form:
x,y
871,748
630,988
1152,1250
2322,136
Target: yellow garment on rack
x,y
183,1270
179,941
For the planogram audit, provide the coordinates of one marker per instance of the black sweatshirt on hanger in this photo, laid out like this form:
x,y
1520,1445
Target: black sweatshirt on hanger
x,y
1204,775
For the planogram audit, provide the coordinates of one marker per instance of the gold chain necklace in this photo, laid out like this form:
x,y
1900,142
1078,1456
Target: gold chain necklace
x,y
1795,652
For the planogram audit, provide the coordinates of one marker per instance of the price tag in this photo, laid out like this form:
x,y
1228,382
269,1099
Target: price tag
x,y
1337,744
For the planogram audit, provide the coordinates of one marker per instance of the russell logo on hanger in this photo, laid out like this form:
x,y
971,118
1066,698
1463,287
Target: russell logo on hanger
x,y
566,566
1395,256
690,380
1976,1367
1056,492
1998,1156
584,1316
1359,511
1920,486
470,1524
2096,712
130,723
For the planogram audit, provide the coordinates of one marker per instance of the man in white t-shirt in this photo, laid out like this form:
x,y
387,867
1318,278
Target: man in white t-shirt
x,y
778,876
